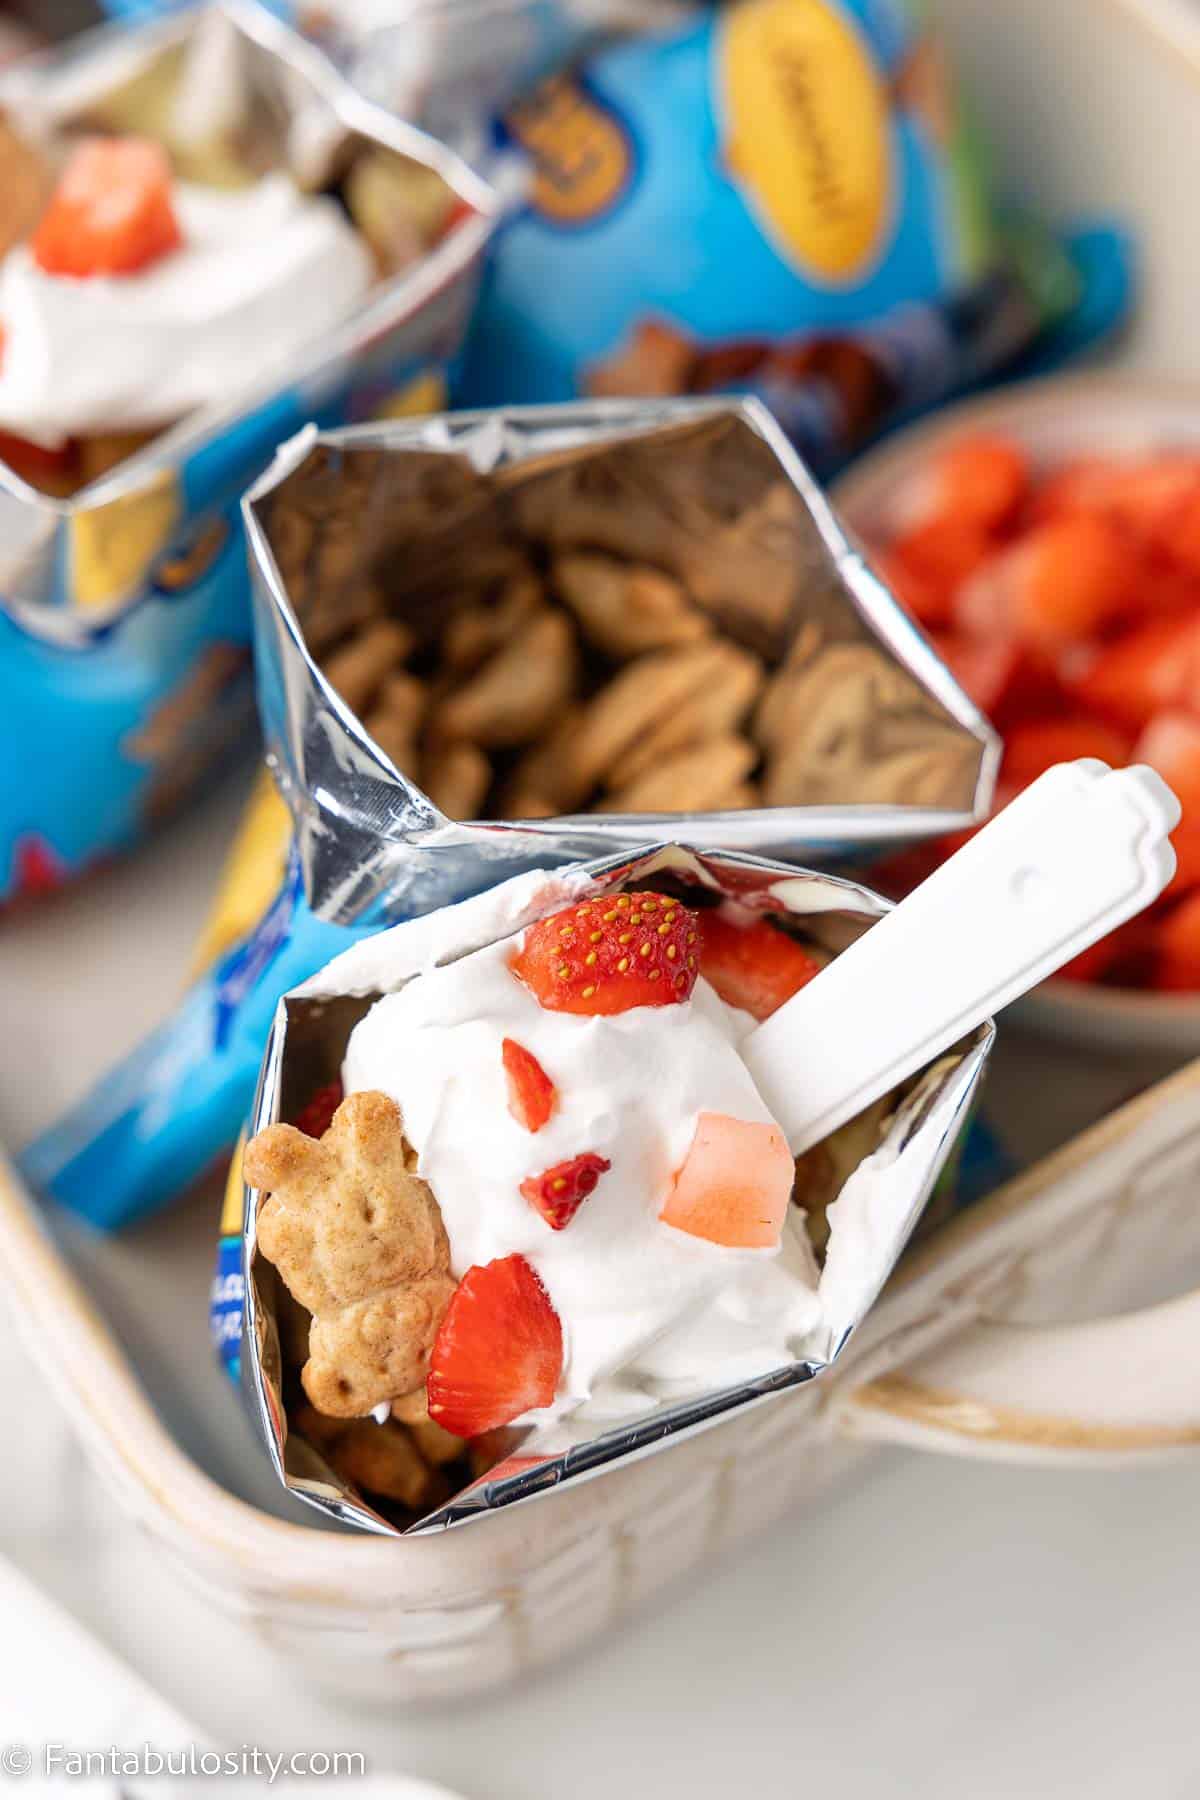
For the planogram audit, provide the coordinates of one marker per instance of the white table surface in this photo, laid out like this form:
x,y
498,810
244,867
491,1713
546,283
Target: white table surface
x,y
943,1627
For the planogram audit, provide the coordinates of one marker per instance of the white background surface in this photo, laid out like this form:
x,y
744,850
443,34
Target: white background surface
x,y
942,1627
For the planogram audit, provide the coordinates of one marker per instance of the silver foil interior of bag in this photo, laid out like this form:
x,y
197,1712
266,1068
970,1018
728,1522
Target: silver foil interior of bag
x,y
835,726
232,95
883,1167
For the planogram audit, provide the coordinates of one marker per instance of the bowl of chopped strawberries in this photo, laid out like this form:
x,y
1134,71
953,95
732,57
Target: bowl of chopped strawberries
x,y
1046,540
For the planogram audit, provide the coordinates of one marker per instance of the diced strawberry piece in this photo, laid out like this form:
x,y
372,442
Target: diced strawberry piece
x,y
1035,746
531,1093
1142,495
558,1193
316,1115
1186,841
1182,539
499,1351
980,479
1171,744
755,967
1093,962
608,955
111,213
735,1184
1143,672
1081,484
1057,586
985,669
1177,967
929,599
941,555
1148,496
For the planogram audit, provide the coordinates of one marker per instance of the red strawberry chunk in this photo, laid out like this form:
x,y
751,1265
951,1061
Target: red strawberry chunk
x,y
1178,965
111,213
316,1115
755,967
558,1193
1142,672
499,1351
611,954
531,1093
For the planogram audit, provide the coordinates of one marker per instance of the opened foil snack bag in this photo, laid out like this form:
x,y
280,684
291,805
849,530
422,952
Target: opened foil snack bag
x,y
518,1209
497,640
206,239
492,643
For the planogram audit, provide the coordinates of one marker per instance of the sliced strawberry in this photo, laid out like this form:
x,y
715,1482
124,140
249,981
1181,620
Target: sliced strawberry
x,y
606,956
316,1115
1037,744
531,1093
735,1184
111,213
1093,962
1144,671
940,555
929,599
499,1351
986,669
1056,586
980,479
1186,840
1171,744
558,1193
755,967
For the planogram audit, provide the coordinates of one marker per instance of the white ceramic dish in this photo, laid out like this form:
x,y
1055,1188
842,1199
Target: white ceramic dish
x,y
1055,419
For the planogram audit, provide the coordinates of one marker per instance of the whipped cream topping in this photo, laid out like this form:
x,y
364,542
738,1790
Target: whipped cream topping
x,y
261,272
647,1312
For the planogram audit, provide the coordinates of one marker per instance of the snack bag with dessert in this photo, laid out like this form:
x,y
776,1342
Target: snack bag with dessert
x,y
779,197
164,189
517,1209
494,642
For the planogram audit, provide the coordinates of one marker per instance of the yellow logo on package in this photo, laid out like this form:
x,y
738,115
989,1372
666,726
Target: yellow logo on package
x,y
807,133
581,154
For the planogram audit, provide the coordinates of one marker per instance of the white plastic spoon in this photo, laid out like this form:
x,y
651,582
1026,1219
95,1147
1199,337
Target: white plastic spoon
x,y
1078,853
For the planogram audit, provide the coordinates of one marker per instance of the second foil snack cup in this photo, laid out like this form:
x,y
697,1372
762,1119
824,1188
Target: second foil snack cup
x,y
124,611
863,1191
492,641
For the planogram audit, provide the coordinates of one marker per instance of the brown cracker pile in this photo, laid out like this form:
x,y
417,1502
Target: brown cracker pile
x,y
610,632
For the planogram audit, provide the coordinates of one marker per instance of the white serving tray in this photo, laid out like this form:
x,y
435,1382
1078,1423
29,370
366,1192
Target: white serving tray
x,y
117,1326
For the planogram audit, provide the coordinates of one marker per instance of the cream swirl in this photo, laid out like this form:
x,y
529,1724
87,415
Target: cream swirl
x,y
262,271
646,1311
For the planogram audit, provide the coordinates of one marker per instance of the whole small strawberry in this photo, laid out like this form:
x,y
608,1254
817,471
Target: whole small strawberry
x,y
611,954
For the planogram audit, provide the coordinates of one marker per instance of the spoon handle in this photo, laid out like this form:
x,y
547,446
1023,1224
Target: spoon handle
x,y
1080,851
